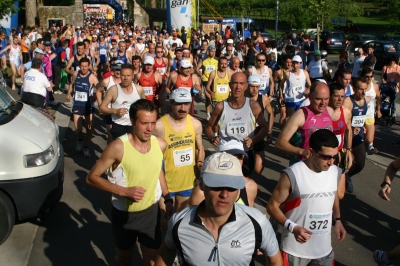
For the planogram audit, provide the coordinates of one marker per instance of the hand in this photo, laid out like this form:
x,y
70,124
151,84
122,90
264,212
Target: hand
x,y
301,234
281,100
169,210
305,154
270,138
249,142
216,142
200,165
384,192
135,193
68,98
349,159
378,113
340,231
356,130
121,111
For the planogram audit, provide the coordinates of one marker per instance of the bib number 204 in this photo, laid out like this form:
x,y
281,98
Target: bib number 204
x,y
237,130
318,225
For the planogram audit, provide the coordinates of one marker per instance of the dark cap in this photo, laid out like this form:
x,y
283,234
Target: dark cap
x,y
178,49
47,43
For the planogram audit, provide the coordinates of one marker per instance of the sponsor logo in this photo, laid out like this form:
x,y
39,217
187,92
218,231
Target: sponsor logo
x,y
225,165
314,120
236,119
30,78
235,244
179,3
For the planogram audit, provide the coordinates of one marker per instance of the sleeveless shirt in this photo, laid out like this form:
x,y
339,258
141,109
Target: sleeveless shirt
x,y
124,101
221,87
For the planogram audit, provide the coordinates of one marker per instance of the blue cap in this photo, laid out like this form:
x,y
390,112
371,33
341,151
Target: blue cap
x,y
38,51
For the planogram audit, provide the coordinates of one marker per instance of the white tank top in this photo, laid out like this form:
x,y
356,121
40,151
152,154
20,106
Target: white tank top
x,y
124,101
239,123
310,206
110,83
315,69
371,105
264,77
296,85
15,53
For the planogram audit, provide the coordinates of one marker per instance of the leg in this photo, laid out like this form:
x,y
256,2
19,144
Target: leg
x,y
56,78
359,160
3,62
180,202
282,118
89,129
208,105
124,257
14,73
369,138
149,255
394,254
196,198
289,112
78,126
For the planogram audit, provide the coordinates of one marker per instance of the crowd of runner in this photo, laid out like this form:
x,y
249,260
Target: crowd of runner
x,y
145,83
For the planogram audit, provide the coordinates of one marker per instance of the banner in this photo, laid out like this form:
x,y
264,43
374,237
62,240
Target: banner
x,y
181,13
95,10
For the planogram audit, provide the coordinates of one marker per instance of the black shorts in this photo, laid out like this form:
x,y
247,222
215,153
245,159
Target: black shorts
x,y
248,163
118,130
259,146
143,226
107,119
83,110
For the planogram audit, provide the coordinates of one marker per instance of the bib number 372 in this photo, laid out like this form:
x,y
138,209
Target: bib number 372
x,y
318,223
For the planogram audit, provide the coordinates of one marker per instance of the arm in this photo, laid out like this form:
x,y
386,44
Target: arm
x,y
271,83
199,67
71,86
210,82
170,83
339,229
308,80
110,97
249,72
283,141
166,256
5,49
163,183
200,154
140,91
213,122
67,68
349,137
268,108
281,87
378,101
388,178
262,123
196,84
136,78
100,90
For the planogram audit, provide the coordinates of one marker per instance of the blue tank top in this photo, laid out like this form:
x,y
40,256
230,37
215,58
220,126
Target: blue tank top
x,y
348,92
154,55
174,66
103,53
358,117
202,56
122,57
83,90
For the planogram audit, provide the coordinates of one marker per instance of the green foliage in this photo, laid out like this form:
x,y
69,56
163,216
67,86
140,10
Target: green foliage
x,y
7,7
392,10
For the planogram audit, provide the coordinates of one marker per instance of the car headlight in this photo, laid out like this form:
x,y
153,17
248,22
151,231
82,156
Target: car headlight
x,y
39,159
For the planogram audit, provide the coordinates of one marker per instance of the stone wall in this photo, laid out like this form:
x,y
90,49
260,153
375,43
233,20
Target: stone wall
x,y
140,15
72,15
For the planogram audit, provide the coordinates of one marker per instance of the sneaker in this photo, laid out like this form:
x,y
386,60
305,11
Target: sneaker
x,y
13,87
372,151
381,259
349,184
53,103
208,117
86,153
57,92
78,146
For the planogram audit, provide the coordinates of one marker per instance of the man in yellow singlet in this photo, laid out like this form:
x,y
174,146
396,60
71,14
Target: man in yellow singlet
x,y
218,82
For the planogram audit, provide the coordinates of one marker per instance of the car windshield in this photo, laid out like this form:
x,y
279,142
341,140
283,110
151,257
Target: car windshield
x,y
391,48
6,103
369,38
338,36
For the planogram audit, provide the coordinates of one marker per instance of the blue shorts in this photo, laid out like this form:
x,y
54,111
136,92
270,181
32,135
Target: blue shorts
x,y
83,110
295,105
184,193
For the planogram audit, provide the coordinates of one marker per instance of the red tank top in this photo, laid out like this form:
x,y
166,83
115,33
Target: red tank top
x,y
161,68
339,128
149,85
188,84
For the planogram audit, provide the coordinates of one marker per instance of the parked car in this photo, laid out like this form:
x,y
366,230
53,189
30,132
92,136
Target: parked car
x,y
333,40
357,40
266,36
349,26
382,49
389,37
31,163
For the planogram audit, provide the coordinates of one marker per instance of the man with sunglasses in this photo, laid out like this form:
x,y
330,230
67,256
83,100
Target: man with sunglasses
x,y
265,74
218,82
219,230
308,190
103,55
150,80
160,62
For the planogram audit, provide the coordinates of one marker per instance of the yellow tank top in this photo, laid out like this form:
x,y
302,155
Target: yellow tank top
x,y
179,157
209,65
142,170
221,87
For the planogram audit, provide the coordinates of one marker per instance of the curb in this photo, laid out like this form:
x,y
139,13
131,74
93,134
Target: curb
x,y
62,119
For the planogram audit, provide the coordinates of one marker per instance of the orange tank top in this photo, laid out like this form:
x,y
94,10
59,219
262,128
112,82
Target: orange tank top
x,y
188,84
149,85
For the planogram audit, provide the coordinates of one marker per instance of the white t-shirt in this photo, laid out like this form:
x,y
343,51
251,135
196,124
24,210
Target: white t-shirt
x,y
178,42
357,65
36,82
315,68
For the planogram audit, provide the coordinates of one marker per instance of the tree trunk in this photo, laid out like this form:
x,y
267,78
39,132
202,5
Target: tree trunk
x,y
153,3
30,12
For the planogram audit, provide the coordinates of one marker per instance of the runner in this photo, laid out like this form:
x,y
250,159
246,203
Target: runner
x,y
101,90
103,55
279,74
118,100
235,67
160,63
135,189
252,92
306,220
150,81
207,66
82,83
15,56
317,67
237,117
74,61
151,51
265,74
345,80
3,55
122,54
218,82
184,152
174,63
297,83
136,64
358,104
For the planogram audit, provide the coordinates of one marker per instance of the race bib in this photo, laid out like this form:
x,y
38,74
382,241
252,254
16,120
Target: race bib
x,y
318,223
161,70
127,106
81,96
222,88
148,91
210,68
238,129
298,89
358,121
103,51
183,157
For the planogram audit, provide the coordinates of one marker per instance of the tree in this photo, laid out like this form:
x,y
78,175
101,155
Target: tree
x,y
7,7
30,12
392,10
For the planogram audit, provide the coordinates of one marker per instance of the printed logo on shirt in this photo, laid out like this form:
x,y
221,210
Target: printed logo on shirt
x,y
235,244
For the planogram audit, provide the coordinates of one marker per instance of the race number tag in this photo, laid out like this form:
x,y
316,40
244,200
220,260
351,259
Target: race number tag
x,y
263,85
148,91
298,89
81,96
358,121
222,88
183,157
237,129
103,51
126,106
318,223
210,68
161,70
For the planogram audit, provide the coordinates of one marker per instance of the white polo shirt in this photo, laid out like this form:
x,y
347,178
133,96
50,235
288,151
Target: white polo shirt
x,y
36,82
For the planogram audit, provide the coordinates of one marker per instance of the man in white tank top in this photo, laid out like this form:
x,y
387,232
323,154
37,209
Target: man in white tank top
x,y
308,190
120,97
267,82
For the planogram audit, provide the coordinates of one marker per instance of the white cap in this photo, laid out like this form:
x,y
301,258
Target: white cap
x,y
297,58
186,63
231,145
181,95
229,41
254,80
148,60
222,169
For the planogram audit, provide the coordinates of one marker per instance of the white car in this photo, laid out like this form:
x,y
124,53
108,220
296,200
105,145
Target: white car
x,y
31,163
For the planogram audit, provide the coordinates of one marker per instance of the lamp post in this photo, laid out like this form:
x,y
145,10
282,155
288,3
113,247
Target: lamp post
x,y
276,19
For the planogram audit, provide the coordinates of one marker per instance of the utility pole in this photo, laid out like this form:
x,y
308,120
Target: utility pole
x,y
276,19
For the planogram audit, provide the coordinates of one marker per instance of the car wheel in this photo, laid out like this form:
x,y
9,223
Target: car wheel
x,y
7,217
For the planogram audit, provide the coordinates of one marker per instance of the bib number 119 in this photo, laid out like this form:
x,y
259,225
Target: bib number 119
x,y
237,130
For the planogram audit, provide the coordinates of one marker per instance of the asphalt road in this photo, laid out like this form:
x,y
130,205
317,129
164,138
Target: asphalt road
x,y
78,230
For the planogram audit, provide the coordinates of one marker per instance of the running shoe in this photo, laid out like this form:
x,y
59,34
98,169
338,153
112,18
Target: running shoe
x,y
86,153
57,92
372,150
78,146
13,87
381,258
349,184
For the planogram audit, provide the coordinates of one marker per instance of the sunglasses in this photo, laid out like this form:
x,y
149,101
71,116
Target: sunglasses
x,y
229,50
261,60
326,157
158,52
369,76
223,188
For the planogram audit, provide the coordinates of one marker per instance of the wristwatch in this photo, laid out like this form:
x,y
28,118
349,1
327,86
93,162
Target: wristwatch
x,y
384,183
169,200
